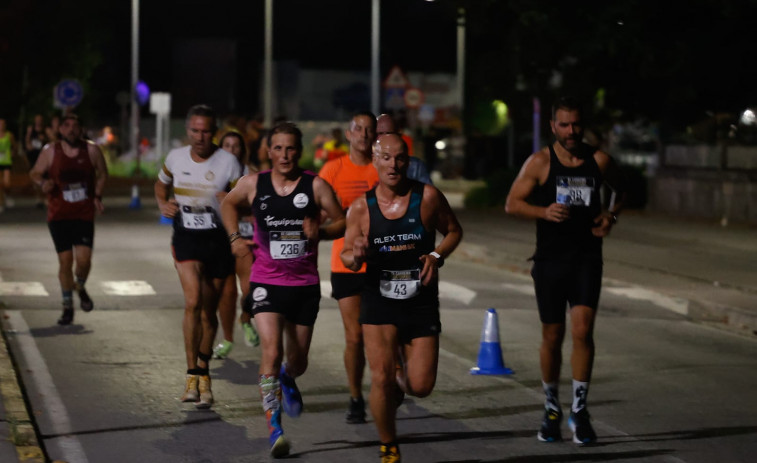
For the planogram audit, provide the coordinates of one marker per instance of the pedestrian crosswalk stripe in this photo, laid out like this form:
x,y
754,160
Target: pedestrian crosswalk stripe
x,y
459,293
127,288
675,304
522,288
22,288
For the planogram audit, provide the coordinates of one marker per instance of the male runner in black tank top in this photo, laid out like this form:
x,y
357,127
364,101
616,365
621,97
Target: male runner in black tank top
x,y
565,179
392,228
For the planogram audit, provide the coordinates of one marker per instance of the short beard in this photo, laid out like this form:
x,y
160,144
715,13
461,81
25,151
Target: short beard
x,y
72,145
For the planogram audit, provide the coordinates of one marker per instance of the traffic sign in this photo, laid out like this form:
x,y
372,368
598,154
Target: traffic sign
x,y
414,97
396,79
160,103
68,93
394,99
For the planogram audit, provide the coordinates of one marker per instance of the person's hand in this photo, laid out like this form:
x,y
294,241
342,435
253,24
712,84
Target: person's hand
x,y
46,186
240,247
360,251
556,212
311,227
168,208
602,225
99,206
430,268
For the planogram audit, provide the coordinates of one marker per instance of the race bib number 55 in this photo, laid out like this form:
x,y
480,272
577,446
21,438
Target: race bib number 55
x,y
198,218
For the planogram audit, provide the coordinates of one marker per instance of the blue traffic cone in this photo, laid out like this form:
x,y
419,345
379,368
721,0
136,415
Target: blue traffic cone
x,y
135,201
490,360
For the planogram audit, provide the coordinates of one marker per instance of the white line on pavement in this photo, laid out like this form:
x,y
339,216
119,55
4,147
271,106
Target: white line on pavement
x,y
52,405
22,288
459,293
127,288
676,304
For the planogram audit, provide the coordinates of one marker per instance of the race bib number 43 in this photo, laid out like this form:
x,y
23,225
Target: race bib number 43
x,y
198,218
400,284
287,244
574,191
75,192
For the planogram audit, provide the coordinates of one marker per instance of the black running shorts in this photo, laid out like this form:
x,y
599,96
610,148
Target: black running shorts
x,y
566,283
211,249
346,284
412,321
298,304
69,233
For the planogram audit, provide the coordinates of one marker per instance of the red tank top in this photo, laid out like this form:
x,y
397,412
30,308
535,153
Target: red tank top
x,y
72,197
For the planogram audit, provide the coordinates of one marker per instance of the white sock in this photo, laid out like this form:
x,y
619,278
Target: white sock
x,y
580,391
551,391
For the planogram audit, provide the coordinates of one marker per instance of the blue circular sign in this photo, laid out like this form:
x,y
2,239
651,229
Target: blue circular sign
x,y
69,92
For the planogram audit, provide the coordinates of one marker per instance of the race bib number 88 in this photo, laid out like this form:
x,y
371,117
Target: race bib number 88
x,y
400,284
287,244
574,191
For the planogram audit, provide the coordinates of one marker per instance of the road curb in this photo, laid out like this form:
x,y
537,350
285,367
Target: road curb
x,y
15,422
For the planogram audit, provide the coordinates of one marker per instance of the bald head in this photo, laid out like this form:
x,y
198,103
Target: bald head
x,y
391,141
385,124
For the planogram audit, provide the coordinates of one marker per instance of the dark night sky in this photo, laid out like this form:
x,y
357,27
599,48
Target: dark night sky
x,y
327,34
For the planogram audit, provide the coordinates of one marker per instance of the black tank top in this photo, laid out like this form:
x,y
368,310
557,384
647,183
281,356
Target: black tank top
x,y
577,187
394,250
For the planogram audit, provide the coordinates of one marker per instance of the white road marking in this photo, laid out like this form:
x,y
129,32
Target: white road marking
x,y
676,304
523,289
127,288
325,289
22,288
52,405
459,293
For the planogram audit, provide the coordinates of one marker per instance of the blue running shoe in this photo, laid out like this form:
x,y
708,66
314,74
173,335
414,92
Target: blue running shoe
x,y
550,426
580,424
292,402
279,443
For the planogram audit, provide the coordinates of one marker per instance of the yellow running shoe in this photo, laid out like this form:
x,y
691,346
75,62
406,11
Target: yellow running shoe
x,y
390,454
191,393
206,395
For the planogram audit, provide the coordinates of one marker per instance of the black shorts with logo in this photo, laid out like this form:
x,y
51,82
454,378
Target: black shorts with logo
x,y
69,233
559,283
212,249
298,304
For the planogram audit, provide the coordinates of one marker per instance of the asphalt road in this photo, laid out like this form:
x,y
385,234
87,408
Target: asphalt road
x,y
665,388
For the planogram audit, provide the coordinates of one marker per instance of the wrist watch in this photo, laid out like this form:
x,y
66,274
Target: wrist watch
x,y
439,258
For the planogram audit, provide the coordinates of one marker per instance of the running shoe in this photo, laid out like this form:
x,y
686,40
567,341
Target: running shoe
x,y
84,300
251,337
206,395
390,454
292,402
191,394
223,349
580,424
279,443
550,426
356,411
67,317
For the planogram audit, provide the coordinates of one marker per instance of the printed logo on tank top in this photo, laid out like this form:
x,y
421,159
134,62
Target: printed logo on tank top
x,y
209,176
300,200
399,242
574,191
